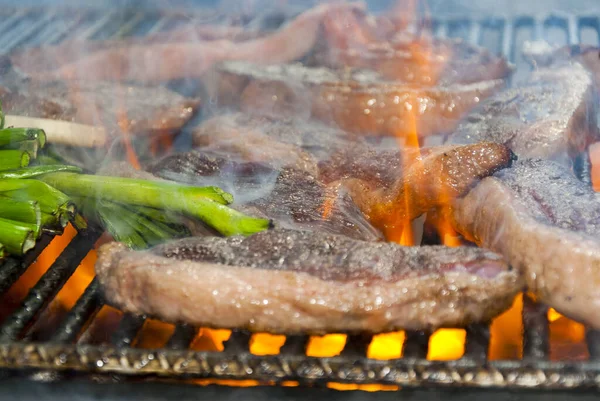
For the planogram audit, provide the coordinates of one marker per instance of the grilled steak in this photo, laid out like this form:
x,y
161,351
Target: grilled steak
x,y
433,178
355,39
546,223
290,281
241,133
292,198
356,101
547,116
167,61
139,109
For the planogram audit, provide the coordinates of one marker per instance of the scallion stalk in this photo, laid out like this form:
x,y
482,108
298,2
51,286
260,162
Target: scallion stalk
x,y
13,159
10,136
17,237
204,203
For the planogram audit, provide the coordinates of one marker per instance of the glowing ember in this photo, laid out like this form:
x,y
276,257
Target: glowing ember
x,y
386,346
324,346
266,344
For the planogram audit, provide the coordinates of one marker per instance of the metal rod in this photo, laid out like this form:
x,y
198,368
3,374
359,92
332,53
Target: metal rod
x,y
535,330
20,35
97,26
182,337
572,30
13,267
239,341
583,167
49,285
357,345
85,309
593,342
128,330
295,345
416,344
475,32
507,40
477,341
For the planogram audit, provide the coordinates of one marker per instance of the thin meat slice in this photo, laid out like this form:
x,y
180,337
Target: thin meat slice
x,y
139,109
291,198
546,223
167,61
244,133
304,282
548,116
358,40
356,101
430,178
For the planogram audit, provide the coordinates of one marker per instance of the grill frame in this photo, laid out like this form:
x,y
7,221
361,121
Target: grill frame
x,y
175,361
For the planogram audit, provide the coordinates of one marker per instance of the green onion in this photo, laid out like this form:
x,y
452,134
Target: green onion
x,y
30,146
34,171
132,191
199,202
79,222
26,212
17,237
13,159
9,136
51,200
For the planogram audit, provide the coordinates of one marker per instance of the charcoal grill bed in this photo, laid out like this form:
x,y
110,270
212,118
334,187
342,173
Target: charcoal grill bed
x,y
25,364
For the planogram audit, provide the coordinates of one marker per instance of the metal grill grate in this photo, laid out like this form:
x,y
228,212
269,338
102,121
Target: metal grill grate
x,y
34,27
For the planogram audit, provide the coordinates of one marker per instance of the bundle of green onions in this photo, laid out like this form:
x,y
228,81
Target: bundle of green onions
x,y
38,194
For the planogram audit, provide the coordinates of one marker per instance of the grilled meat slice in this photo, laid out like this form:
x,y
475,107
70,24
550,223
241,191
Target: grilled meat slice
x,y
356,101
546,223
432,178
166,61
242,133
139,109
356,39
290,281
291,198
548,116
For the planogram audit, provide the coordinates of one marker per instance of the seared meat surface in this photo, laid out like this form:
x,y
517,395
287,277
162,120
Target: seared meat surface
x,y
546,223
547,116
292,198
291,281
243,133
356,39
139,109
433,177
164,61
356,101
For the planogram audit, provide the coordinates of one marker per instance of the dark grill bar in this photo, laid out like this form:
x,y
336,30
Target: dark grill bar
x,y
66,352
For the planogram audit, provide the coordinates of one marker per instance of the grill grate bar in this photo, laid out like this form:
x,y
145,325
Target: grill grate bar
x,y
477,341
57,33
593,342
295,345
507,39
86,307
128,329
535,330
239,341
13,268
21,35
182,337
416,344
97,25
357,345
49,285
11,21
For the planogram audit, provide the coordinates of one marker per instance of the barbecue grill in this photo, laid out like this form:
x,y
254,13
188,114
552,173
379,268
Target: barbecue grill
x,y
58,355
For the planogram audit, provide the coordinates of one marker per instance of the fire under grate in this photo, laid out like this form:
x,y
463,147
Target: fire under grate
x,y
61,352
